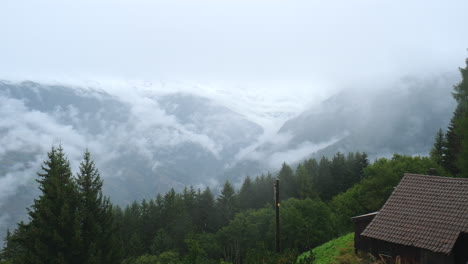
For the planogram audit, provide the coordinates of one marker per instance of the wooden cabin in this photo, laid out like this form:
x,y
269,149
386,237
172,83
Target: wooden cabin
x,y
425,220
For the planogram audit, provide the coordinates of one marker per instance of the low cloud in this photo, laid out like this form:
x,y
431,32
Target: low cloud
x,y
297,154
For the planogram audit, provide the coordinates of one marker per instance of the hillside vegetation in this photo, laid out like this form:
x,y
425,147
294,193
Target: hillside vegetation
x,y
334,251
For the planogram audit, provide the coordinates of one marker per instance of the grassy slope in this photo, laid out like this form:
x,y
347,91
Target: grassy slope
x,y
339,250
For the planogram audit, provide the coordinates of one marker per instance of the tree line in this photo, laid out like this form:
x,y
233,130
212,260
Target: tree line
x,y
72,222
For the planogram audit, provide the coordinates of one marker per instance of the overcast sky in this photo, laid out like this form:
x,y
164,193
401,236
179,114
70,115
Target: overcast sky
x,y
282,44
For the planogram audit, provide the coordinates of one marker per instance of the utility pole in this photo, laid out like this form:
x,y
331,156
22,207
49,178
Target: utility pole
x,y
277,205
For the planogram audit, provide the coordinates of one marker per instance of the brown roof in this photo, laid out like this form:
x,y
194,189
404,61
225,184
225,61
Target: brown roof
x,y
423,211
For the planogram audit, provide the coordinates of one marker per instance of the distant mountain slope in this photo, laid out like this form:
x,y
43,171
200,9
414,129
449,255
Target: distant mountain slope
x,y
400,119
142,144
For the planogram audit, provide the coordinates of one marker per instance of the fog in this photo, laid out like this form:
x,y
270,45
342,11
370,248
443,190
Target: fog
x,y
287,46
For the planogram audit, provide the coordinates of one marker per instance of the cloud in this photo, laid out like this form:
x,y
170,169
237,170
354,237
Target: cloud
x,y
30,131
295,155
276,44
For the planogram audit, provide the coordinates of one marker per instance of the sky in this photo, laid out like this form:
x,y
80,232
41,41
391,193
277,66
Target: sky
x,y
294,46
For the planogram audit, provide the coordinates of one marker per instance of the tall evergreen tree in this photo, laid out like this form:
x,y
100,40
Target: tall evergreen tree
x,y
306,187
437,152
339,173
7,252
205,211
288,183
53,233
363,162
461,95
356,163
189,196
324,179
98,234
246,194
312,170
227,204
451,147
263,191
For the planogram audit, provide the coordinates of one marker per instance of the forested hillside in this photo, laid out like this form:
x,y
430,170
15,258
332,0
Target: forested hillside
x,y
196,227
71,221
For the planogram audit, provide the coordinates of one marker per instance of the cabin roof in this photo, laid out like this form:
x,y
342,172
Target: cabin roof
x,y
423,211
365,215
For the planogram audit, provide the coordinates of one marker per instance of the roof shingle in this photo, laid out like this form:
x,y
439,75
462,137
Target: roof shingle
x,y
423,211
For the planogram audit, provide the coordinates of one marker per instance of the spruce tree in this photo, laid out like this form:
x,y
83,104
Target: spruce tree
x,y
98,234
306,188
205,220
360,163
288,183
246,194
227,204
6,253
437,152
451,147
53,233
339,172
324,179
455,158
461,95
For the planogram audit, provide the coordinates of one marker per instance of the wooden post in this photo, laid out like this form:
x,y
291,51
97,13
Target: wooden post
x,y
277,205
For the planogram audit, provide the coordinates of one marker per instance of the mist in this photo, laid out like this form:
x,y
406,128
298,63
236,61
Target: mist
x,y
289,46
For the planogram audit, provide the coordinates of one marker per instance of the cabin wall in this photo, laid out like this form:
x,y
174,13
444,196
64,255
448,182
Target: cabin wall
x,y
461,249
390,252
360,223
406,254
429,257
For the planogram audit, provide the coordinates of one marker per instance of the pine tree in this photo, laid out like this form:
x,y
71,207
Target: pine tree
x,y
312,170
98,234
461,95
6,253
339,172
14,250
462,159
246,194
205,211
306,188
363,162
227,204
53,233
324,179
288,183
263,191
356,163
455,158
451,147
461,89
189,197
437,152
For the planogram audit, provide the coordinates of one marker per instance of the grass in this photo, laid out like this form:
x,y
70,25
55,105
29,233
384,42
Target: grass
x,y
339,250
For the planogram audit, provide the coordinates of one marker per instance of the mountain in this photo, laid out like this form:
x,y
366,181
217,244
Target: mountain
x,y
142,143
402,118
145,142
